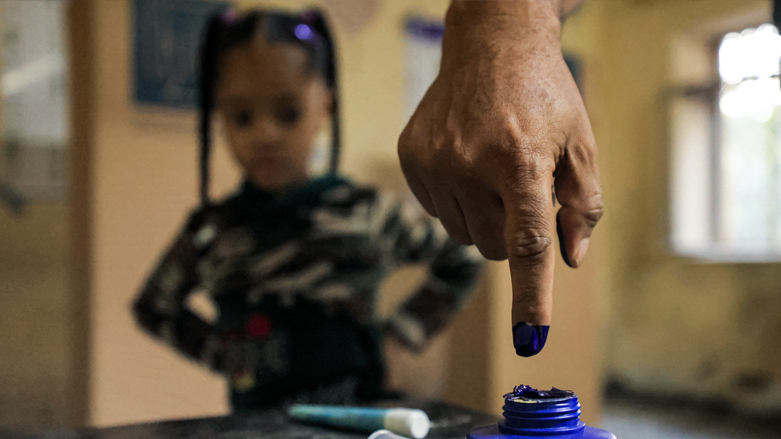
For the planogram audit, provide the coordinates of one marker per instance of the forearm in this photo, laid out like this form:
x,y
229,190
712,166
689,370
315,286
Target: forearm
x,y
521,12
161,310
183,330
451,280
497,32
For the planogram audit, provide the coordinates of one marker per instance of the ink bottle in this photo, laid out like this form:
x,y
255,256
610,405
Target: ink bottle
x,y
540,414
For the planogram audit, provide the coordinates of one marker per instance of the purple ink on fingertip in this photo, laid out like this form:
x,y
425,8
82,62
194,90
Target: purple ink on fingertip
x,y
529,339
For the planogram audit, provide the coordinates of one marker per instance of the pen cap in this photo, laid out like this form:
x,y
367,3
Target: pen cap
x,y
412,423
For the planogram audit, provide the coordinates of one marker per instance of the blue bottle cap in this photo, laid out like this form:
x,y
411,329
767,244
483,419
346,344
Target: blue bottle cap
x,y
532,413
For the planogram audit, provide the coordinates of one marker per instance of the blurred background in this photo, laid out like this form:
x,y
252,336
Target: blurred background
x,y
672,328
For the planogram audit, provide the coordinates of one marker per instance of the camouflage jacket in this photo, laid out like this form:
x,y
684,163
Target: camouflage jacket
x,y
295,281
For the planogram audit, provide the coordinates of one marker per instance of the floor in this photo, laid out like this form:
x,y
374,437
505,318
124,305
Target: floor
x,y
634,420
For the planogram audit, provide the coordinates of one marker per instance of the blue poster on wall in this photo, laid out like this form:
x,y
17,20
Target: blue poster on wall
x,y
167,34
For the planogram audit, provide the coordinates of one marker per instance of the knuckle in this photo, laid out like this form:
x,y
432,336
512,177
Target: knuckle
x,y
533,170
530,137
595,209
529,248
594,215
440,154
463,161
522,182
529,166
440,139
589,145
585,153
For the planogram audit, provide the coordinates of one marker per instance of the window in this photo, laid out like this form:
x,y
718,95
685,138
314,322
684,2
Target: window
x,y
726,153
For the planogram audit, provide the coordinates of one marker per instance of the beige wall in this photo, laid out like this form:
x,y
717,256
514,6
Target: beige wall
x,y
668,323
34,346
143,184
34,341
675,325
143,173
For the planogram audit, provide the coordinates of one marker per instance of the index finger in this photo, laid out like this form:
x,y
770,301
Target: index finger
x,y
529,229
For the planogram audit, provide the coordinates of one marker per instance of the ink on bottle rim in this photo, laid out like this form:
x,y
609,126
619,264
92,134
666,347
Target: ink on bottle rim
x,y
529,395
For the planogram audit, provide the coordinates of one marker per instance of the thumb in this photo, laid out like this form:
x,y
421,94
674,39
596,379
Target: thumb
x,y
579,191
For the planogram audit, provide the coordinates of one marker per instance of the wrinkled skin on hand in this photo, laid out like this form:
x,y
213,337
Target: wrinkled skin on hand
x,y
502,127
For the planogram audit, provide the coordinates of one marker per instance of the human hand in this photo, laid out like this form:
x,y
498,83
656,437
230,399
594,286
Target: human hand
x,y
503,125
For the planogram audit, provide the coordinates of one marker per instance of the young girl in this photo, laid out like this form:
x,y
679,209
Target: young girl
x,y
292,261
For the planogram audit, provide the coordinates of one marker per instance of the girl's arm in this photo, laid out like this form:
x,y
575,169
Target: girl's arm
x,y
453,272
160,308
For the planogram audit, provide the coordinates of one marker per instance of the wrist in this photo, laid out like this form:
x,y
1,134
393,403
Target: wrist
x,y
490,16
498,31
475,29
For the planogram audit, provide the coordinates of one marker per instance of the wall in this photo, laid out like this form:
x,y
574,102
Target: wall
x,y
34,346
669,324
143,183
138,181
675,326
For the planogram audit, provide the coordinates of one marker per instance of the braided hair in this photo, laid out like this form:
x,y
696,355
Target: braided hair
x,y
226,30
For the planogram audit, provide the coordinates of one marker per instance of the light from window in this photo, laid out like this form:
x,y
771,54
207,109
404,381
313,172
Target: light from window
x,y
750,134
753,53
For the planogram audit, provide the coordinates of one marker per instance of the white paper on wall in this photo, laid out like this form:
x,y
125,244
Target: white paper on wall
x,y
423,52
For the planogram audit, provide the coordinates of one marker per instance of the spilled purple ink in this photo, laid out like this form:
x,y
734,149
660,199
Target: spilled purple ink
x,y
528,392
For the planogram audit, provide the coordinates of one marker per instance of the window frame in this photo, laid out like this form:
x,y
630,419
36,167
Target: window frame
x,y
707,91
